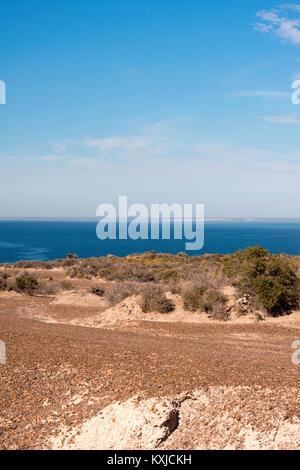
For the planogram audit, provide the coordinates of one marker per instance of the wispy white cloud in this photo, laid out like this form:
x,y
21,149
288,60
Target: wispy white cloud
x,y
291,6
268,94
147,140
263,28
282,22
159,141
161,163
268,16
285,119
112,143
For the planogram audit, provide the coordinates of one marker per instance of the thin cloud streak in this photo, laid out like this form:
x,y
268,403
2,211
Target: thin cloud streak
x,y
268,94
286,119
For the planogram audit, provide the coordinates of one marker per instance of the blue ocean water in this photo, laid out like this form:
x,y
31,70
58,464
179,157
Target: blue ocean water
x,y
47,240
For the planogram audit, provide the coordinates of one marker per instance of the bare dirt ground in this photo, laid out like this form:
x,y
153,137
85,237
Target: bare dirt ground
x,y
82,375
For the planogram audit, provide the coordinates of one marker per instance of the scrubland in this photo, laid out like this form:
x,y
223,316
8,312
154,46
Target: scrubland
x,y
264,285
151,351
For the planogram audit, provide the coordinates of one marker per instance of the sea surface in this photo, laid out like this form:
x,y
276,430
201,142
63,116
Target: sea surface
x,y
48,240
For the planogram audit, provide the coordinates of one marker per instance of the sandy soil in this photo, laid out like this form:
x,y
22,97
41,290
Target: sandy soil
x,y
81,307
198,420
80,374
80,298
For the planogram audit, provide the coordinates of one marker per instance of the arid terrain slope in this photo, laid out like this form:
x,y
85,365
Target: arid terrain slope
x,y
86,372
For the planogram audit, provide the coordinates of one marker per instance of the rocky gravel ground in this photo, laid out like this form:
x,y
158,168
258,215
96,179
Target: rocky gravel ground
x,y
57,376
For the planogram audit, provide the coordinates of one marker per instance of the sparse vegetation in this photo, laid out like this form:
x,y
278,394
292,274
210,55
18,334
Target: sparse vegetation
x,y
115,293
71,256
271,282
70,259
200,298
219,312
3,282
166,275
66,285
47,288
153,299
100,291
211,299
38,264
148,267
193,298
174,287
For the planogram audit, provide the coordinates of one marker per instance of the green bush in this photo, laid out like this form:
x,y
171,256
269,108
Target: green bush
x,y
26,283
270,279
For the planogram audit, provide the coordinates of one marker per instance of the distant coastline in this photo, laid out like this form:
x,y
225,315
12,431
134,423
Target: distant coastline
x,y
207,219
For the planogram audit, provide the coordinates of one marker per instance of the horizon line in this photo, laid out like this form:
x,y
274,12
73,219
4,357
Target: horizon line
x,y
212,219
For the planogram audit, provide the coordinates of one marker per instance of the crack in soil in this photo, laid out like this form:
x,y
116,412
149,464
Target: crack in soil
x,y
172,422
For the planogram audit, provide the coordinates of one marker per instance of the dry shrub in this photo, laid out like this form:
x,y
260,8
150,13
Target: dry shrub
x,y
205,273
3,282
211,301
149,267
100,291
182,254
36,264
110,268
132,272
153,299
115,293
70,260
6,283
72,272
219,312
174,287
166,275
66,285
75,272
71,256
193,297
48,288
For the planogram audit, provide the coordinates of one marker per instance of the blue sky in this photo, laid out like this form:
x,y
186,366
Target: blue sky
x,y
163,101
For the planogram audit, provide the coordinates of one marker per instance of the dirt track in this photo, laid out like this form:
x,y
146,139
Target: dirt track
x,y
60,374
